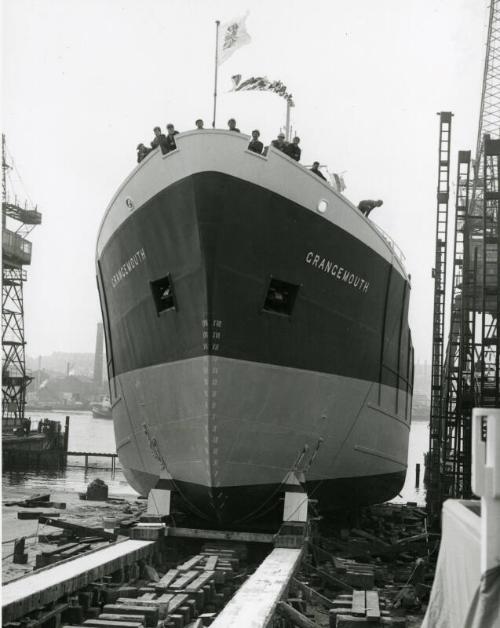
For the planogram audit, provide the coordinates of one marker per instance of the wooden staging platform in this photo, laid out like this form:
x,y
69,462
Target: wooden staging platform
x,y
27,593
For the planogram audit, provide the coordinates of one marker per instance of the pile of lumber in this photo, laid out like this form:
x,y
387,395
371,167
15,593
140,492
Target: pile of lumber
x,y
186,595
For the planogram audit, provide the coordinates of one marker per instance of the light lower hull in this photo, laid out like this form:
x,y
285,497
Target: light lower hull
x,y
228,462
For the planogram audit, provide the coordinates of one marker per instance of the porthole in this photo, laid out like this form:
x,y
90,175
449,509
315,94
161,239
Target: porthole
x,y
163,294
322,205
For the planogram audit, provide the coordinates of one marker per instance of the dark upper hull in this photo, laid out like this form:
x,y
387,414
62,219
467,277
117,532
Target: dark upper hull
x,y
220,240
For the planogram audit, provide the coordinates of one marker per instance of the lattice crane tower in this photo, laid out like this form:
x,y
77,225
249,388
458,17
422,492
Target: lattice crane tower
x,y
17,223
471,373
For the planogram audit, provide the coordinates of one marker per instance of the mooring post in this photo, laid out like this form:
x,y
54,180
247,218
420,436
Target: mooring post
x,y
66,434
417,475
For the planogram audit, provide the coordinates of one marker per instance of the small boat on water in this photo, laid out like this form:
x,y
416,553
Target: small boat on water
x,y
101,410
256,323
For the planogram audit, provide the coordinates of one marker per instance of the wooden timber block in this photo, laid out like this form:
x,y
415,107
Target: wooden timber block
x,y
193,607
150,612
177,619
93,612
73,615
147,533
219,600
394,622
106,623
185,611
360,580
372,605
337,611
207,589
199,598
85,599
127,592
358,605
207,618
121,618
348,621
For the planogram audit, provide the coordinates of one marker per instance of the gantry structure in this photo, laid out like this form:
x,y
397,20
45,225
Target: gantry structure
x,y
467,374
17,223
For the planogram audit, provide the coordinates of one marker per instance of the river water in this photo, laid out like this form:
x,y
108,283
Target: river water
x,y
87,433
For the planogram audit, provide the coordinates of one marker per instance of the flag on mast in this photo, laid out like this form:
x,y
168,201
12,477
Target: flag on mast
x,y
261,84
233,35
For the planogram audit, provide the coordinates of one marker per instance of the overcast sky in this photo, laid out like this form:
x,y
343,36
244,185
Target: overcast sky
x,y
84,81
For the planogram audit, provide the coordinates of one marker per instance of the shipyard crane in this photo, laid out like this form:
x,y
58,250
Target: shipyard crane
x,y
17,223
467,374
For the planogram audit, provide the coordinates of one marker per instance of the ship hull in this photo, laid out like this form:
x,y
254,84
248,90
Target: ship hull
x,y
229,389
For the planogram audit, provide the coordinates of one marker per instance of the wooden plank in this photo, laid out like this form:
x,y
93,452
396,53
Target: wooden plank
x,y
110,623
81,547
185,579
358,607
189,564
255,602
165,598
195,533
26,594
150,612
57,550
372,605
211,563
165,581
78,529
176,602
116,617
201,581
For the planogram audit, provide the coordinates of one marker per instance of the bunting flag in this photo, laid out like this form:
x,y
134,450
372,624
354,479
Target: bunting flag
x,y
232,36
263,84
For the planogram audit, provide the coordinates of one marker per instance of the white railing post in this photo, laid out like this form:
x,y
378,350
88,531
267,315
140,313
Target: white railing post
x,y
486,481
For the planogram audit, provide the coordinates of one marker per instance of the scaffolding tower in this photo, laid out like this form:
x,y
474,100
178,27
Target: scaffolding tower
x,y
16,253
439,275
471,374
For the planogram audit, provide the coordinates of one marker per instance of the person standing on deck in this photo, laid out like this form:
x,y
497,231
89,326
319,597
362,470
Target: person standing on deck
x,y
280,143
293,150
317,171
159,140
170,139
231,123
365,207
142,151
255,145
199,124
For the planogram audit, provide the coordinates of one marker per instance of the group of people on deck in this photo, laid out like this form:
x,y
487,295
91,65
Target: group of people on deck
x,y
166,143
